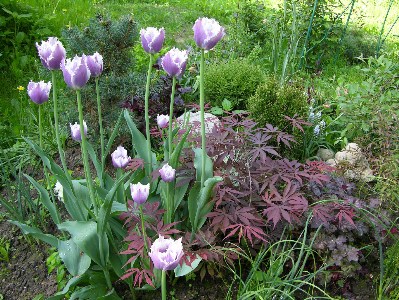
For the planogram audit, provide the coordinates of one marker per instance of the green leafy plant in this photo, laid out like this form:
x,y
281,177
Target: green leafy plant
x,y
279,270
4,249
53,262
233,80
271,103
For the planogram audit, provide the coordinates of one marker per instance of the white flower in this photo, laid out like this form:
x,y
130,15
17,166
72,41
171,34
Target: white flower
x,y
59,191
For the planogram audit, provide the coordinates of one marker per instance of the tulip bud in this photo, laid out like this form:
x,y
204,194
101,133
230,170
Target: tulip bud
x,y
162,121
167,173
75,131
39,91
166,253
174,62
207,33
152,39
51,53
95,64
76,73
140,192
120,158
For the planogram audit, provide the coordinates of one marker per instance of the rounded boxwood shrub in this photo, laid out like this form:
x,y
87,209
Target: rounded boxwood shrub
x,y
235,80
271,102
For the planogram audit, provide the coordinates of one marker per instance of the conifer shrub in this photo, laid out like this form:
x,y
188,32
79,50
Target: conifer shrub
x,y
234,80
271,102
114,40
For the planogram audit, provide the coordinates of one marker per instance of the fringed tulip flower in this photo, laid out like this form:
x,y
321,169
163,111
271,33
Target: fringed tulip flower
x,y
75,131
152,39
162,121
174,62
120,159
166,253
167,173
95,64
39,91
140,192
76,72
207,33
51,53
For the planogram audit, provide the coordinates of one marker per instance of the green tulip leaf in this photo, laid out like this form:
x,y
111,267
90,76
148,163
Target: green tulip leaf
x,y
84,234
37,233
45,199
76,262
71,283
198,165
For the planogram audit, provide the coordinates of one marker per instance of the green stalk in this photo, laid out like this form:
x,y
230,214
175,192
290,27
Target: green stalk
x,y
44,166
303,54
105,268
56,126
143,228
172,100
84,153
147,118
164,283
100,122
202,107
379,43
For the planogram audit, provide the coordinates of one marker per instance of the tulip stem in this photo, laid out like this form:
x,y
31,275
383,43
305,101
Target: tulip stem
x,y
143,227
202,107
44,165
100,122
163,285
86,165
56,125
172,100
147,118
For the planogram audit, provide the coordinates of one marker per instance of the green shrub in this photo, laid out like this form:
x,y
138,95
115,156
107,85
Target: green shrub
x,y
358,43
235,80
271,102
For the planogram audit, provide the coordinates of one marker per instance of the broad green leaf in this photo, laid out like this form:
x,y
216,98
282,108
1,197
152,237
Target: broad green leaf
x,y
139,141
192,203
184,269
174,158
45,199
71,283
37,233
82,196
113,134
95,161
201,201
198,165
76,262
84,234
179,194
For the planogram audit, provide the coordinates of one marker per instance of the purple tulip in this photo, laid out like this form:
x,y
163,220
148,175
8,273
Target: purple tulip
x,y
174,62
167,173
152,39
76,73
166,253
39,91
75,131
51,53
120,158
95,64
207,33
162,121
140,192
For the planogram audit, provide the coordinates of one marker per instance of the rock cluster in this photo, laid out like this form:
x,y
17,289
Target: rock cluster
x,y
351,160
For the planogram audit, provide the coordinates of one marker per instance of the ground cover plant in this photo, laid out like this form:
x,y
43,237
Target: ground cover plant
x,y
159,157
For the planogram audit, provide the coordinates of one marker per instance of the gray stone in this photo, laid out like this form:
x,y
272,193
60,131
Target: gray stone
x,y
325,154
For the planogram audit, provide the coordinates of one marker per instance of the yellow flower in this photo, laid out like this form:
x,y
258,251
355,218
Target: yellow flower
x,y
20,88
